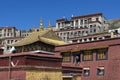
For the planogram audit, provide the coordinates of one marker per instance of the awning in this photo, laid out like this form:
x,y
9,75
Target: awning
x,y
87,68
101,68
67,76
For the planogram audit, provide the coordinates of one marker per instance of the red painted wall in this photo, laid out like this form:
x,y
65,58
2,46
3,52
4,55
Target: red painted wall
x,y
94,64
48,63
111,65
17,75
114,63
5,61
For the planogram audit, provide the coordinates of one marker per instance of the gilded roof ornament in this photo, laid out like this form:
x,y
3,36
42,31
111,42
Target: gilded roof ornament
x,y
49,24
41,24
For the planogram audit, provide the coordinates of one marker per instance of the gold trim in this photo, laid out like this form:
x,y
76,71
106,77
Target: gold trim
x,y
95,48
76,50
65,51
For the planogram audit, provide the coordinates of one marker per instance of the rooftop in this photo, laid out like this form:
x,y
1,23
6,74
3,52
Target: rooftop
x,y
46,36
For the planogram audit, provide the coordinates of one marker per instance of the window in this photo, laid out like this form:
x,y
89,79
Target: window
x,y
85,22
66,56
89,20
95,38
76,22
85,39
58,24
72,23
97,19
87,55
90,30
81,22
8,41
86,71
11,41
102,54
15,40
81,26
76,57
100,71
90,26
94,30
60,33
74,41
7,34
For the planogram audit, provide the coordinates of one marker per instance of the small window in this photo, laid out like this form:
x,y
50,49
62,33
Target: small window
x,y
97,19
60,33
72,23
85,22
76,22
89,19
11,41
90,26
94,30
86,71
58,24
74,41
100,71
81,22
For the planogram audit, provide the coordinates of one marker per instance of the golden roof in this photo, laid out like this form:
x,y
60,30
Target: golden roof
x,y
52,41
47,36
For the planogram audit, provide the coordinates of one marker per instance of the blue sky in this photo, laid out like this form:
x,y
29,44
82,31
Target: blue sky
x,y
25,14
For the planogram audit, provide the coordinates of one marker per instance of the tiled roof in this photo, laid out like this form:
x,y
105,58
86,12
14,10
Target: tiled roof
x,y
47,36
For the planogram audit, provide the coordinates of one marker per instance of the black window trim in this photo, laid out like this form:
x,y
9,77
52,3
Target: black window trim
x,y
101,59
83,55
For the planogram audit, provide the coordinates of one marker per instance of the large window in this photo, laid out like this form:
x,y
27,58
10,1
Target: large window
x,y
66,56
87,55
102,54
76,57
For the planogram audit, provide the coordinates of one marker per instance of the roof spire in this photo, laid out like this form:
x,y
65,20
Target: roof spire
x,y
41,24
49,24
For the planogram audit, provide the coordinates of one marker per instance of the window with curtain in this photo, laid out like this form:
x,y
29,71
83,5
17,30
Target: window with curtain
x,y
87,55
86,71
100,71
66,56
102,54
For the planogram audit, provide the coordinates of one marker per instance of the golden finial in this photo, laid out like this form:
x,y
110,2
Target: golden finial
x,y
41,24
49,24
33,29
